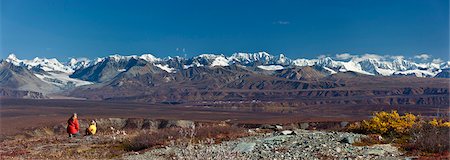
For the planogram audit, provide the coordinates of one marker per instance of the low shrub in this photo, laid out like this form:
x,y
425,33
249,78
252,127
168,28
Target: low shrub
x,y
153,139
385,123
415,135
162,137
429,138
219,133
439,123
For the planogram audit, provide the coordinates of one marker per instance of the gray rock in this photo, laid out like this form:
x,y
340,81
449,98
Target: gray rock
x,y
304,126
378,152
244,147
150,124
287,132
266,126
349,140
278,127
276,139
106,124
176,123
338,149
133,123
344,124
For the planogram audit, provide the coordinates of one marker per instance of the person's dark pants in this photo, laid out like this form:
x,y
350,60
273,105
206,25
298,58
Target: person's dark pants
x,y
74,135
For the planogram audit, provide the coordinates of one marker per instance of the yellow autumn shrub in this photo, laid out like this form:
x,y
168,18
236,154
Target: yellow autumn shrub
x,y
388,123
439,123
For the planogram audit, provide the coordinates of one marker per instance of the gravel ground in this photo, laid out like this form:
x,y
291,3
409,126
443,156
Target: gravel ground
x,y
298,144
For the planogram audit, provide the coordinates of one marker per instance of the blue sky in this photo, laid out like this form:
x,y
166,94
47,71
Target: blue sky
x,y
299,28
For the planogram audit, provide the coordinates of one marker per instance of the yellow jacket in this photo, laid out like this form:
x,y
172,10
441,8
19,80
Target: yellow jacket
x,y
92,129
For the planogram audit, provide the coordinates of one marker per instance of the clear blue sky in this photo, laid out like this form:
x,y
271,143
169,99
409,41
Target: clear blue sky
x,y
298,28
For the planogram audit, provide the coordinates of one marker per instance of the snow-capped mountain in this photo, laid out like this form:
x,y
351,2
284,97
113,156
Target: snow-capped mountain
x,y
41,63
79,63
149,78
52,71
261,60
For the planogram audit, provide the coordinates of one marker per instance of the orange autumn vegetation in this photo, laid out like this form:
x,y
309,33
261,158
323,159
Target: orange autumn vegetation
x,y
386,123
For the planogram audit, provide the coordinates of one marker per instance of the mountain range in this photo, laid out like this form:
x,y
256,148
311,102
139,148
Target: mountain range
x,y
213,77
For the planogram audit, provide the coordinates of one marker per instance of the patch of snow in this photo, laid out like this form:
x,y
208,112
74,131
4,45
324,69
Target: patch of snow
x,y
330,70
384,72
194,64
246,58
271,67
78,63
61,79
304,62
165,68
149,58
220,61
118,58
187,66
417,73
121,70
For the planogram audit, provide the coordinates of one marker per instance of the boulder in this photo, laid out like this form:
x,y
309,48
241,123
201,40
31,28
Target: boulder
x,y
287,132
244,147
344,124
176,123
349,139
377,152
150,124
278,127
133,123
106,124
304,125
277,139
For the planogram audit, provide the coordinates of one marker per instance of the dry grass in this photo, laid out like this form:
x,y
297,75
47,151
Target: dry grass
x,y
200,134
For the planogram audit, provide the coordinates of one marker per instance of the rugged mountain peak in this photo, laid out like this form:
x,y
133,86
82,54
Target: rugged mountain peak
x,y
247,58
283,60
149,58
45,64
12,57
370,65
78,63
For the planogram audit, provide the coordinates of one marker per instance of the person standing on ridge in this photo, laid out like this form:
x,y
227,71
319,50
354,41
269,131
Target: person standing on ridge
x,y
73,126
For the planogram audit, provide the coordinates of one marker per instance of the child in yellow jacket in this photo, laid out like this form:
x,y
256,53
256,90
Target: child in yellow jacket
x,y
92,129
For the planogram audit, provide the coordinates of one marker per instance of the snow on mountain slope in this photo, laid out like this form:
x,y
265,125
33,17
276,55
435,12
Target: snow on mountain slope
x,y
61,80
384,72
149,58
117,58
78,63
304,62
416,72
166,68
353,66
246,58
271,67
330,70
220,61
55,72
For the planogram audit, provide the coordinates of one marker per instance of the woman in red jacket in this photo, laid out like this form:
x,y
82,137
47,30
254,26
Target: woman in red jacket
x,y
73,127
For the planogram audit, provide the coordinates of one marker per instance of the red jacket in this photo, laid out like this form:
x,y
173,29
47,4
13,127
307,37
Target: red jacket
x,y
72,126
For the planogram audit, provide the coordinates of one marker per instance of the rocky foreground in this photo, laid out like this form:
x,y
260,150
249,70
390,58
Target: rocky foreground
x,y
265,142
297,144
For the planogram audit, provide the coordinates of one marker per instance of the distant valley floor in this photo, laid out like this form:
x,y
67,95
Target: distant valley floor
x,y
20,114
